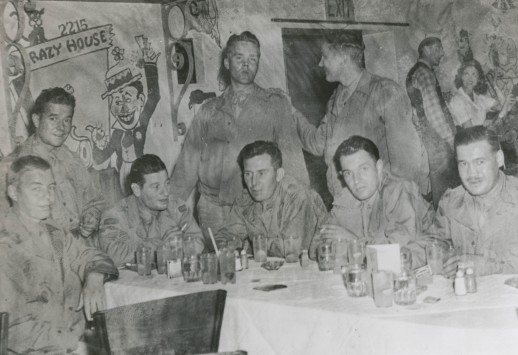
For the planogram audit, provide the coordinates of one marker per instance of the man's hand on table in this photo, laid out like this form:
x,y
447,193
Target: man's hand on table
x,y
334,232
92,298
450,266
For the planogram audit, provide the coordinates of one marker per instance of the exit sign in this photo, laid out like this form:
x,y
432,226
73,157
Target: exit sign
x,y
340,10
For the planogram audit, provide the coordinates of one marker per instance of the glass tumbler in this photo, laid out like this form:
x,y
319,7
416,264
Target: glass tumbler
x,y
227,266
291,248
382,283
260,246
326,256
405,289
191,268
340,255
434,256
209,268
356,252
355,280
144,261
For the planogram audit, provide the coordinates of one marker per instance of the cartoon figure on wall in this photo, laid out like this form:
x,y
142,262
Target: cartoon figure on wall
x,y
130,108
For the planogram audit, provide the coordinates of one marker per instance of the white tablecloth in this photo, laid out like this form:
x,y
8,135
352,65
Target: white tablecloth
x,y
314,315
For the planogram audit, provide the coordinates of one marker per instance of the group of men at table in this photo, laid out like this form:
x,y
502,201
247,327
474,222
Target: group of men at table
x,y
242,153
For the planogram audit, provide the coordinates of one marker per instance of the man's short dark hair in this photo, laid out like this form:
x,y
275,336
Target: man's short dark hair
x,y
474,134
146,164
428,41
481,86
259,148
354,144
349,42
245,36
53,96
21,165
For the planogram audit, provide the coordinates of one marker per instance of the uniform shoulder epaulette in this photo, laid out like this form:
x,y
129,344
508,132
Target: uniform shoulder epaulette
x,y
211,101
110,221
277,92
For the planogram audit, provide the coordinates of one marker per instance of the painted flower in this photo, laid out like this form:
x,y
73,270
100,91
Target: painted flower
x,y
118,54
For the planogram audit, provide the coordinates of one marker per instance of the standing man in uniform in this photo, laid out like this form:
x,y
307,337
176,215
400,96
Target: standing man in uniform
x,y
432,118
78,203
363,104
244,113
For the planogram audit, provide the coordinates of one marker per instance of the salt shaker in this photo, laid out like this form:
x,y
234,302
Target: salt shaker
x,y
304,259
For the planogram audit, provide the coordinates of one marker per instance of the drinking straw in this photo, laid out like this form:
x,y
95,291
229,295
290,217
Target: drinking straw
x,y
213,241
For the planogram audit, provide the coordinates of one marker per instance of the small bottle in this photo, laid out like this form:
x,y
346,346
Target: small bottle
x,y
460,284
304,259
244,259
239,267
471,281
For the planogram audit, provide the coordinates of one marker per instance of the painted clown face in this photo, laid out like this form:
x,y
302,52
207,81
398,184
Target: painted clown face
x,y
126,105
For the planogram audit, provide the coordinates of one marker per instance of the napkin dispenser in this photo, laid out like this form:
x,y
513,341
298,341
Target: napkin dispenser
x,y
383,257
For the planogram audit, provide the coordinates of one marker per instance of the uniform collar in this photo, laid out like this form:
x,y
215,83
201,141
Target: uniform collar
x,y
423,61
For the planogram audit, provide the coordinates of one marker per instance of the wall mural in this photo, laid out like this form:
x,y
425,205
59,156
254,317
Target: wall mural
x,y
120,66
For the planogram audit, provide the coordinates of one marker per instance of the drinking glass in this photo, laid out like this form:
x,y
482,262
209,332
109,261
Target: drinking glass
x,y
162,255
434,256
227,266
209,268
382,283
144,261
356,252
260,247
340,255
326,256
355,281
291,248
191,268
405,289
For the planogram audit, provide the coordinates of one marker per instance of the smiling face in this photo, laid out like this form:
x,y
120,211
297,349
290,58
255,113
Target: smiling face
x,y
261,178
34,194
126,105
154,193
332,62
242,62
362,174
53,124
469,78
479,167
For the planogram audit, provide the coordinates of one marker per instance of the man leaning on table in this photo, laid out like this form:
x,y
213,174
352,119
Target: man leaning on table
x,y
149,217
480,217
46,275
375,207
273,204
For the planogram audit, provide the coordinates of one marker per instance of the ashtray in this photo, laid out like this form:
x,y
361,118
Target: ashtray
x,y
513,282
272,265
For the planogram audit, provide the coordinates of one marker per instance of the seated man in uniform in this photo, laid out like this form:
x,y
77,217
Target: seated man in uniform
x,y
46,275
149,217
375,207
273,204
480,217
79,202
